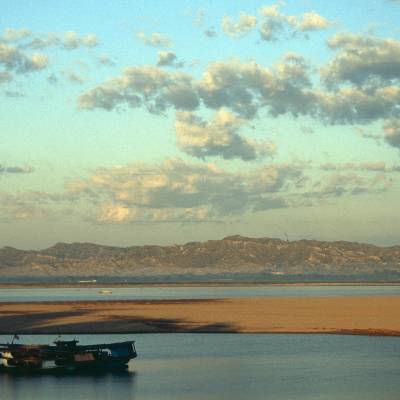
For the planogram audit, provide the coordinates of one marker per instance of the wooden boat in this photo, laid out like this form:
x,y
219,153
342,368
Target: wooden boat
x,y
66,356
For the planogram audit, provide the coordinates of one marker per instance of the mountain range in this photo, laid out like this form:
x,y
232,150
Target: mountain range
x,y
233,255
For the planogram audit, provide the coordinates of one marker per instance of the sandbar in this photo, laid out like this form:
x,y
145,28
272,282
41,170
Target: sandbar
x,y
357,315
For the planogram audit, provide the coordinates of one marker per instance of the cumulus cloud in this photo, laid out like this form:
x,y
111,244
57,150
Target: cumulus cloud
x,y
218,138
26,39
349,105
309,21
72,40
15,60
392,132
155,39
274,22
243,26
362,58
182,191
147,86
169,59
246,87
15,35
240,87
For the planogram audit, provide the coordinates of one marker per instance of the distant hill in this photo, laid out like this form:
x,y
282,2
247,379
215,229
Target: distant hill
x,y
233,255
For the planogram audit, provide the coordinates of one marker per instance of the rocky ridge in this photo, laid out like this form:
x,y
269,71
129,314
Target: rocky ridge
x,y
231,255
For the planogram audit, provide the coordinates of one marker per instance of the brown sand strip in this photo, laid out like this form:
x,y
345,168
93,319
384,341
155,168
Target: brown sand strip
x,y
379,315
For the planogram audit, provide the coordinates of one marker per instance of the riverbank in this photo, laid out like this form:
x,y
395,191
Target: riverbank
x,y
358,315
192,284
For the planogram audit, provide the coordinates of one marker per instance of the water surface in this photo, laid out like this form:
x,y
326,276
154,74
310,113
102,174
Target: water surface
x,y
230,366
188,292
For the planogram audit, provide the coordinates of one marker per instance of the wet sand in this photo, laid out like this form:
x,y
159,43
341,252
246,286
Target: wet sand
x,y
364,315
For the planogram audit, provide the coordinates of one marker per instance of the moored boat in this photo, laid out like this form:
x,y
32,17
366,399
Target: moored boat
x,y
66,356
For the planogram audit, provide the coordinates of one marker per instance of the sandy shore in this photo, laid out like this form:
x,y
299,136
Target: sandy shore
x,y
377,315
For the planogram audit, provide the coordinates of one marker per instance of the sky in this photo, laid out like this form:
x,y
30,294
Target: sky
x,y
150,122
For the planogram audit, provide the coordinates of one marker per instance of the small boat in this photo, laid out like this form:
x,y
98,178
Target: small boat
x,y
65,356
105,291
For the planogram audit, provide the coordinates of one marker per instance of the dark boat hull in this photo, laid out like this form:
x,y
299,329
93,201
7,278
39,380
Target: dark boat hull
x,y
89,368
66,357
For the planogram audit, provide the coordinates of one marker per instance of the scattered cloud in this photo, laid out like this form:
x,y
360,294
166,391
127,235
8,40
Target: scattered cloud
x,y
106,60
367,135
218,138
147,86
210,32
377,166
14,207
72,40
310,21
15,35
169,59
339,184
155,39
16,169
26,39
5,77
392,132
183,191
242,27
362,59
246,87
14,60
14,94
274,23
74,77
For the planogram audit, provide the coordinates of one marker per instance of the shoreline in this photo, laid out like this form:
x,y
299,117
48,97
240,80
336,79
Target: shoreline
x,y
96,285
356,315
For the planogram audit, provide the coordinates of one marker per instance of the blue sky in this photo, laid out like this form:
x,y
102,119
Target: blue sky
x,y
155,122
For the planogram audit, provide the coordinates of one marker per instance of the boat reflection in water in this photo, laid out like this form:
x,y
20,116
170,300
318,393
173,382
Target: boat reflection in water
x,y
65,356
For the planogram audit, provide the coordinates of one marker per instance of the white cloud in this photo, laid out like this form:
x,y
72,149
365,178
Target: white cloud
x,y
72,40
246,87
143,86
362,58
310,21
15,35
155,39
169,59
274,23
181,191
17,61
243,26
218,138
392,132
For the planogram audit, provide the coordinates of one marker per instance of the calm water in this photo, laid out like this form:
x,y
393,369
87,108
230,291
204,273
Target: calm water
x,y
230,366
198,292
